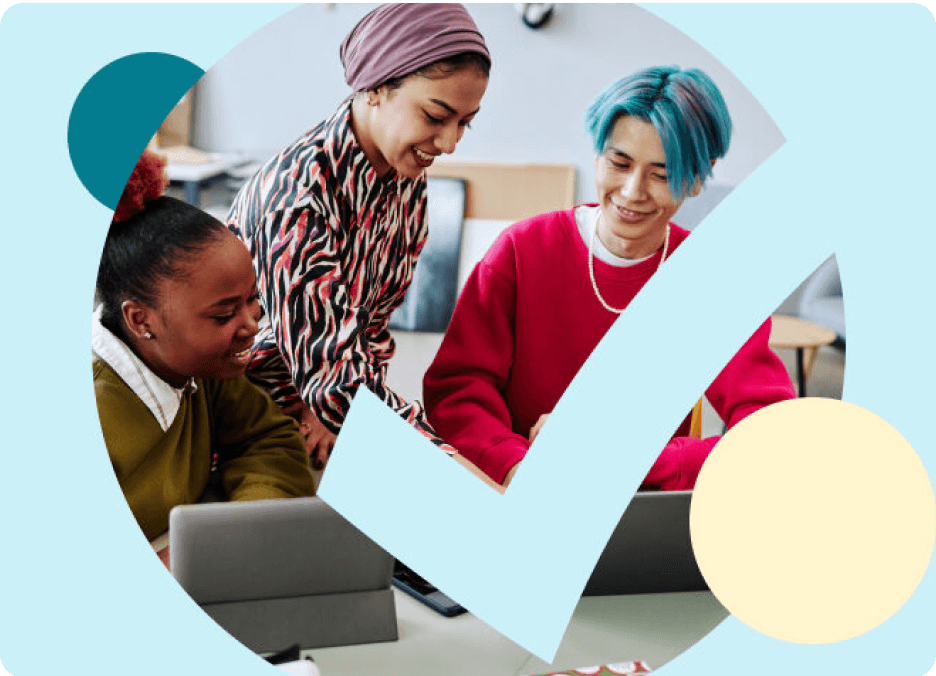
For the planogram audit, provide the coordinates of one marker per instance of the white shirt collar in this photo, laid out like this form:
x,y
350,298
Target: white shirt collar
x,y
586,218
161,398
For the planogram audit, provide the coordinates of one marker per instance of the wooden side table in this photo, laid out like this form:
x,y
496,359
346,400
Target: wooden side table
x,y
793,333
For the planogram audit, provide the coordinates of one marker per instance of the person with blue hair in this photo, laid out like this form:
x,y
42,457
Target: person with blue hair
x,y
551,286
687,112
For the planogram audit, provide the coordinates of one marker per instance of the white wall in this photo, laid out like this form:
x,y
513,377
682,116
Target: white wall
x,y
287,76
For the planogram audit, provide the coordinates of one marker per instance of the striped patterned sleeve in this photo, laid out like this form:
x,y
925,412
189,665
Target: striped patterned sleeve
x,y
334,247
324,335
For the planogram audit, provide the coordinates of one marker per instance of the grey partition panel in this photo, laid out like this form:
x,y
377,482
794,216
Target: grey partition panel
x,y
322,621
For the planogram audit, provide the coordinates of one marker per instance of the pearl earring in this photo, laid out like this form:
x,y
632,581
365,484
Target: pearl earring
x,y
148,335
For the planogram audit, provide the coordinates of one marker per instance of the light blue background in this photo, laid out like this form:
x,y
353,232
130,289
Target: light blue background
x,y
849,86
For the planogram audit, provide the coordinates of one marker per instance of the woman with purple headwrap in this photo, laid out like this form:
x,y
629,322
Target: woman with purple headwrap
x,y
335,222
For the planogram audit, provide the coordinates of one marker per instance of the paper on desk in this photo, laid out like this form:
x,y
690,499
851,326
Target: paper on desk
x,y
616,669
186,155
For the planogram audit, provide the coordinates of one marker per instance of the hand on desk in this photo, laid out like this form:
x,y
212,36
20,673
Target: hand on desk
x,y
319,440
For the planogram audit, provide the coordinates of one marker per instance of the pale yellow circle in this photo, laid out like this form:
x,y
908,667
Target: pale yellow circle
x,y
813,520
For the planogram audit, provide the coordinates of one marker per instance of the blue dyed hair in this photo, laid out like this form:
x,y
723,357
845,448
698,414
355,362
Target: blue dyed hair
x,y
687,111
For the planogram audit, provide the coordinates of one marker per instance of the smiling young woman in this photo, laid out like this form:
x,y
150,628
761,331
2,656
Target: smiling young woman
x,y
335,222
171,340
406,126
206,318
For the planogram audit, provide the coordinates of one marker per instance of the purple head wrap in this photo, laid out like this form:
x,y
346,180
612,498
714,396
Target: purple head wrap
x,y
397,39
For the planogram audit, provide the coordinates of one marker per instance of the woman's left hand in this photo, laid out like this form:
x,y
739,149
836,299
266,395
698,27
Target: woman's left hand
x,y
536,428
319,440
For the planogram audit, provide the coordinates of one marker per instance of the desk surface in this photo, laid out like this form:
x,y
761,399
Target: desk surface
x,y
208,165
604,630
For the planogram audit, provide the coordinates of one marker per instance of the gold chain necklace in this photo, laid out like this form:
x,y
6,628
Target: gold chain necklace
x,y
591,265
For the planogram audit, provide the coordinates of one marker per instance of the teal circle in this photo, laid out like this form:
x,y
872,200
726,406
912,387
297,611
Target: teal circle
x,y
117,112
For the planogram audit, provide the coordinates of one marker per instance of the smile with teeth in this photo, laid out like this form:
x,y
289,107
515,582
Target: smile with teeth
x,y
424,157
243,355
629,215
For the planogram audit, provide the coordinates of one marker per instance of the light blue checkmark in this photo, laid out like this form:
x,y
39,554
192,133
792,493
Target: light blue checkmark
x,y
540,540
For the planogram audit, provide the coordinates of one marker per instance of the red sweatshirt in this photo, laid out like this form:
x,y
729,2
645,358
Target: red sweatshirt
x,y
525,323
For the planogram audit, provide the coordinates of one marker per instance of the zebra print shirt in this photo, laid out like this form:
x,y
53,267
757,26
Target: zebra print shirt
x,y
334,247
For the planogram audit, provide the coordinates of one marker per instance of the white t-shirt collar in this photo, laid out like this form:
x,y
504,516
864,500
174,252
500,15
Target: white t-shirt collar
x,y
586,218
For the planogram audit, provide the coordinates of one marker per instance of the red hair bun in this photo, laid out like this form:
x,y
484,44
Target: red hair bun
x,y
147,182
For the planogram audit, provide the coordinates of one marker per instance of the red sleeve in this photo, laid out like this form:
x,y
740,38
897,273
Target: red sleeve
x,y
679,464
462,390
754,378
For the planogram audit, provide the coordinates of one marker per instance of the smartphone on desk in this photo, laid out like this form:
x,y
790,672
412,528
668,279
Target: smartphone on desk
x,y
417,587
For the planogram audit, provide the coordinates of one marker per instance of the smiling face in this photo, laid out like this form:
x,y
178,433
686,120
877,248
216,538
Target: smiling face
x,y
634,197
205,319
408,127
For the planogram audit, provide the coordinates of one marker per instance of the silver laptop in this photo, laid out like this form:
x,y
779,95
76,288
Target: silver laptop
x,y
650,550
278,572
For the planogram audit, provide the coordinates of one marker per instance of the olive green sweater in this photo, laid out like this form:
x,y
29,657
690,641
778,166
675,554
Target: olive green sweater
x,y
261,454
